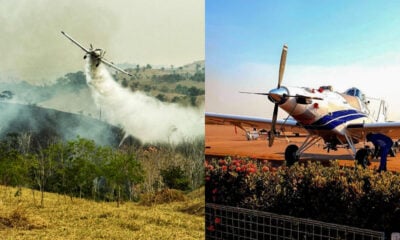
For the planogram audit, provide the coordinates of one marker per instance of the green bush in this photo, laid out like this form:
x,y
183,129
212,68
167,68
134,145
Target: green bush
x,y
350,196
174,177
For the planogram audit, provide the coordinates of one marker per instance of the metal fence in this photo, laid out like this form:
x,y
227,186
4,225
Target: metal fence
x,y
225,222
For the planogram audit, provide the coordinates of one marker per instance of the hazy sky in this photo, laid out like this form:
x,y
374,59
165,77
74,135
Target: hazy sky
x,y
135,31
338,43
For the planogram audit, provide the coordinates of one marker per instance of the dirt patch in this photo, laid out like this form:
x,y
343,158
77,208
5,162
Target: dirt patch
x,y
19,219
197,209
221,140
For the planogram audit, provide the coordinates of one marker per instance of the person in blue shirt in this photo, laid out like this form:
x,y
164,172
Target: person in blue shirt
x,y
384,144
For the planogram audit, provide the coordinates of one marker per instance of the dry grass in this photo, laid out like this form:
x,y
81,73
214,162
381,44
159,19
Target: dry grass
x,y
163,196
196,204
62,218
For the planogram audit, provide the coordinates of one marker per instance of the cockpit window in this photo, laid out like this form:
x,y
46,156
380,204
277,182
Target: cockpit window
x,y
355,92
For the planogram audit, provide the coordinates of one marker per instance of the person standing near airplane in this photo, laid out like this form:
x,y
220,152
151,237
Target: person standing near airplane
x,y
384,144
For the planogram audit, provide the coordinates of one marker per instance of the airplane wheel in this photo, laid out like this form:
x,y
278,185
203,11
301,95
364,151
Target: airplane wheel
x,y
290,155
363,157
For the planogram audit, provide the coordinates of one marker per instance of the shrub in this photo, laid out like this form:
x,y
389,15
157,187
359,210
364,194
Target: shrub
x,y
350,196
163,196
174,177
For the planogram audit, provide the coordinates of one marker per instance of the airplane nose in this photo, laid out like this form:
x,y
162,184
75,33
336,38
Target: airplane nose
x,y
278,95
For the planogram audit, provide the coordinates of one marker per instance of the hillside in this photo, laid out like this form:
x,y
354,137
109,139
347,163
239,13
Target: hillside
x,y
184,84
70,93
45,125
65,218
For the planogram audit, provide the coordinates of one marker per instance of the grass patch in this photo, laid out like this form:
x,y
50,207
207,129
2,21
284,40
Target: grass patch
x,y
61,218
161,197
196,205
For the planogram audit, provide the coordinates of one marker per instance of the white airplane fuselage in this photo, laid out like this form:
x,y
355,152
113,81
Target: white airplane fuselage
x,y
324,112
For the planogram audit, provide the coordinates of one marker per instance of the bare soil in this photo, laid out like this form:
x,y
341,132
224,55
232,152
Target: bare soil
x,y
225,141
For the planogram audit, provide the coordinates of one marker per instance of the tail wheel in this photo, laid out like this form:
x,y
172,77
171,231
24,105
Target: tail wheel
x,y
291,156
363,157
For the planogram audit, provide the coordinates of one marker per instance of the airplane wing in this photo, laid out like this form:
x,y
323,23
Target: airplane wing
x,y
390,129
253,122
76,43
110,64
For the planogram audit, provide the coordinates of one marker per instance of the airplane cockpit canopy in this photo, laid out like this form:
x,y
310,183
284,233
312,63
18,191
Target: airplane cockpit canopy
x,y
355,92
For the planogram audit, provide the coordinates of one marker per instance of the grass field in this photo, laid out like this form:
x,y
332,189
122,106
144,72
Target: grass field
x,y
63,218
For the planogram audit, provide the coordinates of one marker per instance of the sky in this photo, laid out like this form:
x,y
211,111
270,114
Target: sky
x,y
340,43
141,32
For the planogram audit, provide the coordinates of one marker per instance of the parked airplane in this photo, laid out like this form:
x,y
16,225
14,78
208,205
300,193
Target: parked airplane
x,y
96,54
339,119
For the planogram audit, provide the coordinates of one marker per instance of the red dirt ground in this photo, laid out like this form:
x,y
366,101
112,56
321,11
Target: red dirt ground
x,y
223,141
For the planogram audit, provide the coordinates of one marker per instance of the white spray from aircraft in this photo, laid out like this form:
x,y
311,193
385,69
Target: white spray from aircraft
x,y
142,116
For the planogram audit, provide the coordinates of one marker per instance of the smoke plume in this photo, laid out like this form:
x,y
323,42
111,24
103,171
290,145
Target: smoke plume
x,y
142,116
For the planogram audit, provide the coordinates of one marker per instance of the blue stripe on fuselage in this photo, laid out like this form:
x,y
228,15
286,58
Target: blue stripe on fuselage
x,y
334,119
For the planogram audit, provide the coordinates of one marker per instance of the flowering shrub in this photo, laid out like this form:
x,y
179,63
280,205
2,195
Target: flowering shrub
x,y
350,196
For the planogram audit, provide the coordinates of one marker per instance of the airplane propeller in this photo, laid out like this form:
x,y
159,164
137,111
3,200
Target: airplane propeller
x,y
279,95
275,113
282,64
276,96
283,95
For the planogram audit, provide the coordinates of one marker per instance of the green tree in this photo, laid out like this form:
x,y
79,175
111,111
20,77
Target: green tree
x,y
81,167
198,77
147,88
124,83
123,170
162,97
13,169
194,91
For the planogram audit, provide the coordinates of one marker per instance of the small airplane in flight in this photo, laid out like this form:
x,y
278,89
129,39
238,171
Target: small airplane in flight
x,y
339,119
95,54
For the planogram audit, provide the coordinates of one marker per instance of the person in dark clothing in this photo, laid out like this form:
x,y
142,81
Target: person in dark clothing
x,y
384,144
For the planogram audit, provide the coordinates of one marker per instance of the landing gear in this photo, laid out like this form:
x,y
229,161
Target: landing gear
x,y
293,152
291,156
363,156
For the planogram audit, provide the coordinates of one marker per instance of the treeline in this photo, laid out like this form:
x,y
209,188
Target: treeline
x,y
189,91
76,168
176,77
32,94
80,168
169,78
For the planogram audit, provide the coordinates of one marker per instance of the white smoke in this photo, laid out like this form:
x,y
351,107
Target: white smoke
x,y
142,116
